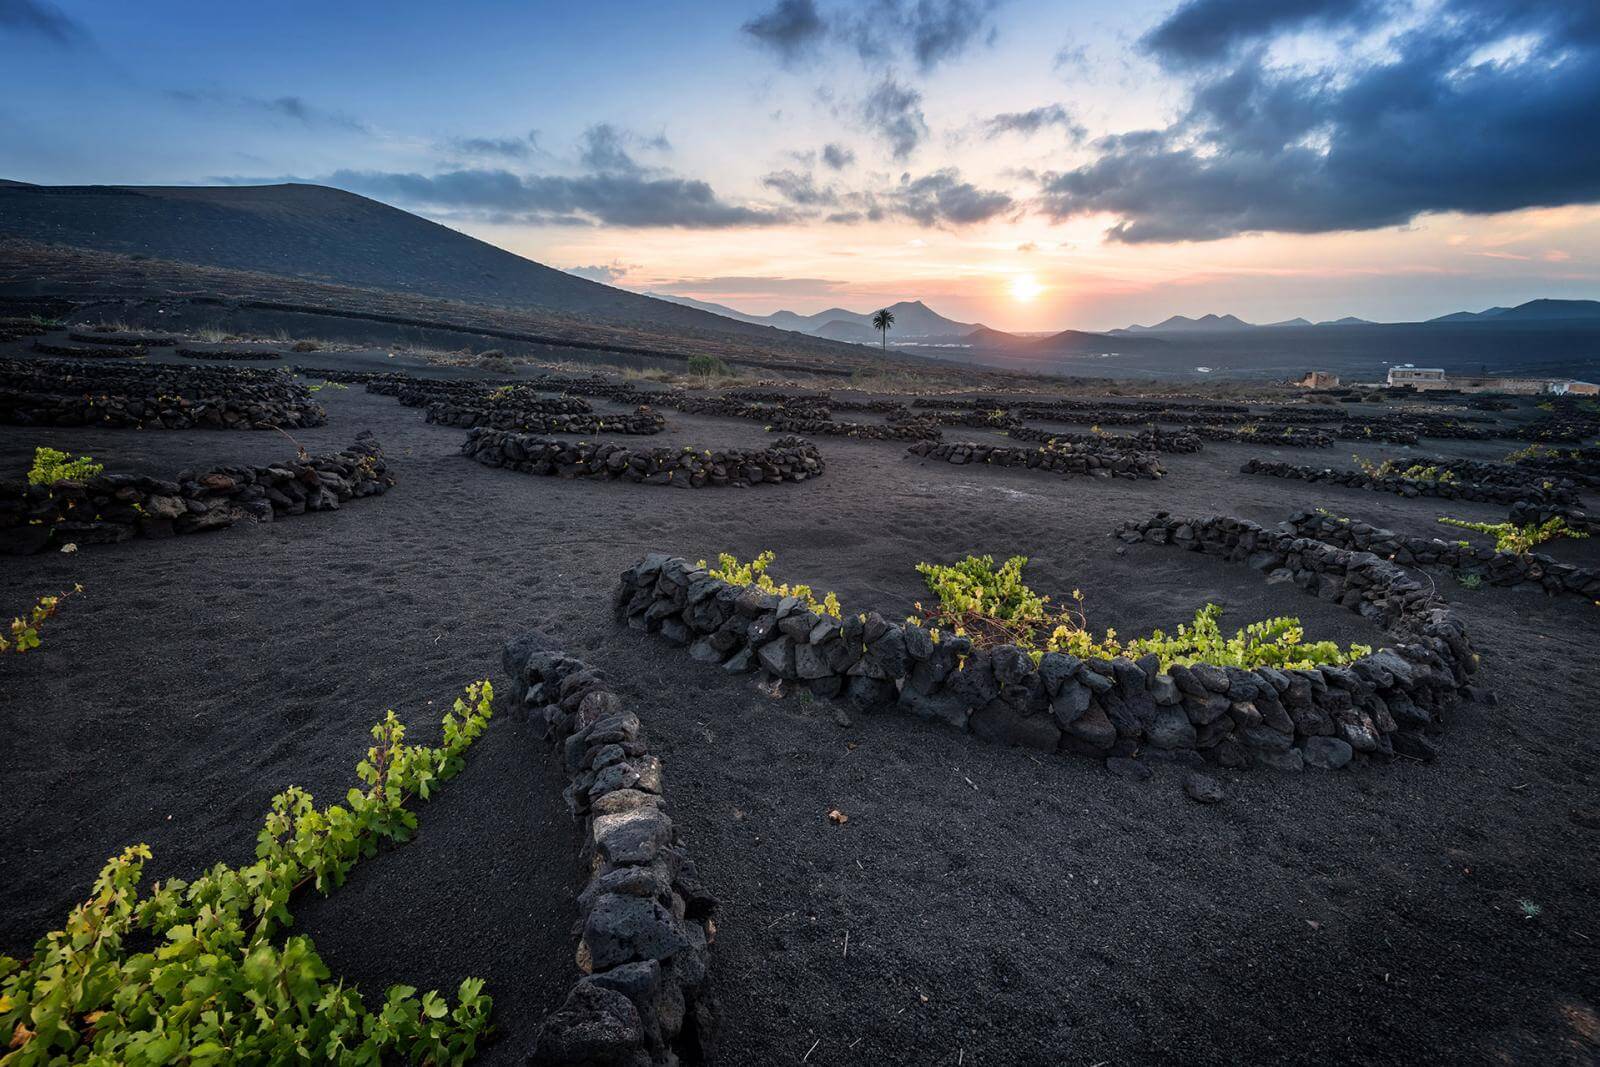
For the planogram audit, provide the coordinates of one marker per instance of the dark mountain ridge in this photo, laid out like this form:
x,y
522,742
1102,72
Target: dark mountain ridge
x,y
328,235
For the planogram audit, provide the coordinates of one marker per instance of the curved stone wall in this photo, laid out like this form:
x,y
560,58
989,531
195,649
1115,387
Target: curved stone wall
x,y
111,508
1095,460
788,459
1383,704
153,396
1413,487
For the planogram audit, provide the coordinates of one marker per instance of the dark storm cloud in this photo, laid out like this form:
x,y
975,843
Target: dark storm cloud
x,y
792,29
1429,127
38,18
1032,121
894,111
837,156
615,199
927,31
1203,31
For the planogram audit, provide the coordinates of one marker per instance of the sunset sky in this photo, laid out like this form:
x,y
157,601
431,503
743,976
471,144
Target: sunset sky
x,y
1030,165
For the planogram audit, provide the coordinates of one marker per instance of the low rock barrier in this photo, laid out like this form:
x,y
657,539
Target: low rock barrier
x,y
1532,571
1153,439
788,459
13,328
1380,705
126,340
1414,487
228,353
811,426
90,351
111,508
1362,431
1270,436
528,419
153,396
646,922
1095,460
1529,514
997,419
1579,465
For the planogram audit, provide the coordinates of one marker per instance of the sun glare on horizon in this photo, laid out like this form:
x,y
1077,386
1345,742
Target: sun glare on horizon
x,y
1024,287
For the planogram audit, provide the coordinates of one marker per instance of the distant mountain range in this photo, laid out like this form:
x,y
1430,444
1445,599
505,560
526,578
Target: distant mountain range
x,y
913,321
917,324
1532,311
1230,324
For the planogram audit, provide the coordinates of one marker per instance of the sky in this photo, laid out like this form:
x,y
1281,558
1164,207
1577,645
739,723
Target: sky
x,y
1030,165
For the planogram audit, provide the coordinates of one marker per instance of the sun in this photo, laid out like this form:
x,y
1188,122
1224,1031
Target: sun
x,y
1024,287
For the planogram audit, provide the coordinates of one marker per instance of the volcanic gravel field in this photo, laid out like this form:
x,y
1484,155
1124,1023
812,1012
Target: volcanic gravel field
x,y
982,905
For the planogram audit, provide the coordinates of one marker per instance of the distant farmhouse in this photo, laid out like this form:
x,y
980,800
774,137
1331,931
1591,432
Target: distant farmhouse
x,y
1319,379
1425,378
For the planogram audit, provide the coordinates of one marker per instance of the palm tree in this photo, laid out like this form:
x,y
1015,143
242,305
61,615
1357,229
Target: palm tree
x,y
881,322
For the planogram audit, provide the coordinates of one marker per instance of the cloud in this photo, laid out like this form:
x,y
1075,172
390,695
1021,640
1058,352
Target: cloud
x,y
38,18
603,151
606,274
1032,121
895,112
926,31
290,107
505,147
793,29
943,197
615,199
750,285
1428,126
940,29
604,148
1071,58
800,188
837,156
1205,31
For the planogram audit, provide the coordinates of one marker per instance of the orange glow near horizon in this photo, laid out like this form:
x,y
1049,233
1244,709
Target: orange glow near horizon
x,y
1024,287
1018,276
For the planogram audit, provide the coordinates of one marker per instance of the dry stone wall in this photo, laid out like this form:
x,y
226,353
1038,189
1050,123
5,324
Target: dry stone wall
x,y
126,340
646,922
231,354
46,348
1387,703
1270,436
788,459
1066,458
153,396
111,508
1526,514
528,419
1532,571
1414,487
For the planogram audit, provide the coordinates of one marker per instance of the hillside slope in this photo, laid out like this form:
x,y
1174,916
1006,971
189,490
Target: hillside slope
x,y
327,235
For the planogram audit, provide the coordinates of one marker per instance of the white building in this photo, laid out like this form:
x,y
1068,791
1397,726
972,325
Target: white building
x,y
1416,377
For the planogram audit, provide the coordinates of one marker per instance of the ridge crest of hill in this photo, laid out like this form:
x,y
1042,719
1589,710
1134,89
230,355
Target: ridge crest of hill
x,y
322,234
